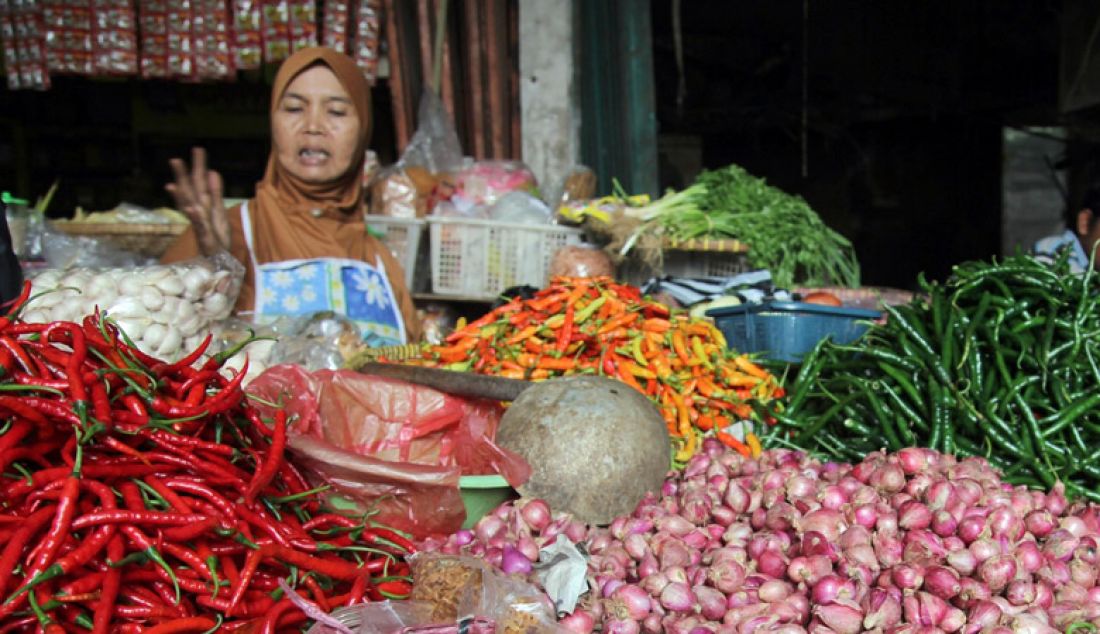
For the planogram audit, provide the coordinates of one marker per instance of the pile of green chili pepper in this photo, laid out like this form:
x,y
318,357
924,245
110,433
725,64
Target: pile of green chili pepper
x,y
1002,361
145,496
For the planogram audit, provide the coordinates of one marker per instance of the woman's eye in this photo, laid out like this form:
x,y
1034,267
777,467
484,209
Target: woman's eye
x,y
338,113
292,108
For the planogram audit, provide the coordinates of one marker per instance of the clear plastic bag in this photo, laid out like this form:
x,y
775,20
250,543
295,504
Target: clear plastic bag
x,y
486,182
165,309
392,446
435,145
453,594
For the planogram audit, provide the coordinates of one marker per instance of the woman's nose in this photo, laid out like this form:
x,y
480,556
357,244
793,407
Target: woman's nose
x,y
314,121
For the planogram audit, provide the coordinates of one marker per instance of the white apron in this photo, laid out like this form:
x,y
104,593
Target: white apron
x,y
358,290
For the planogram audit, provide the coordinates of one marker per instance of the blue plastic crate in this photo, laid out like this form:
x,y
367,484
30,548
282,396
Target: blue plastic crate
x,y
784,331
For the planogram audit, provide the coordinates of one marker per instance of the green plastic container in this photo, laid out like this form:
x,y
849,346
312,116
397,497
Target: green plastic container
x,y
481,494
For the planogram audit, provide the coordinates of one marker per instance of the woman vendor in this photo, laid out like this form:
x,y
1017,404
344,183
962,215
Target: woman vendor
x,y
302,238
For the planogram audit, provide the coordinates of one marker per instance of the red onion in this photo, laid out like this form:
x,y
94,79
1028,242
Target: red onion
x,y
772,563
712,603
648,566
913,514
636,546
907,577
1004,522
652,624
723,515
608,585
676,573
829,589
536,513
1082,572
932,608
944,524
884,610
842,619
953,620
997,572
488,527
832,497
580,622
971,528
1021,592
1056,499
655,584
971,591
924,547
800,486
1044,597
865,515
983,549
727,576
826,522
817,544
912,460
863,555
463,537
888,548
1029,557
773,591
629,603
1075,525
673,553
677,597
942,582
617,626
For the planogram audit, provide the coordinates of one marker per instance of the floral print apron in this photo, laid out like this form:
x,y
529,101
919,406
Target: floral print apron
x,y
358,290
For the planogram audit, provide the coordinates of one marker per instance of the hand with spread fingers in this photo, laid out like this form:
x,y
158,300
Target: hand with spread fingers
x,y
198,194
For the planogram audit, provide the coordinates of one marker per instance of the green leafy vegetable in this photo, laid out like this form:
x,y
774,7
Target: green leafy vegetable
x,y
784,234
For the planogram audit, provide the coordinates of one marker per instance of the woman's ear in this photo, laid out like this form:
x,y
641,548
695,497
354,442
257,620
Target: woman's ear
x,y
1085,221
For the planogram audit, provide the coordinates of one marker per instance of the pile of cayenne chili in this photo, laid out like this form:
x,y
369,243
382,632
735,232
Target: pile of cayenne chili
x,y
145,496
596,326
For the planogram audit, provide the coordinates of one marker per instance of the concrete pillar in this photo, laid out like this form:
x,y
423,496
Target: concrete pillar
x,y
549,107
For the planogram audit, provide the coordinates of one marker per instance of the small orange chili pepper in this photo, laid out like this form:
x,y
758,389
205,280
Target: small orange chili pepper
x,y
733,443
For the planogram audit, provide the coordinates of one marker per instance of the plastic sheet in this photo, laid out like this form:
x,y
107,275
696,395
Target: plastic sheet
x,y
453,594
392,446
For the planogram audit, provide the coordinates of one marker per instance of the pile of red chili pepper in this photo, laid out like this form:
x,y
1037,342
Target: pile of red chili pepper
x,y
144,496
596,326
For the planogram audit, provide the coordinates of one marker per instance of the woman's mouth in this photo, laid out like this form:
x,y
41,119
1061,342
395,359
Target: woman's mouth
x,y
312,156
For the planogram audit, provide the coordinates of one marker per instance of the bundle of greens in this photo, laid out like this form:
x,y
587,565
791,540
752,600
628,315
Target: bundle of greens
x,y
784,234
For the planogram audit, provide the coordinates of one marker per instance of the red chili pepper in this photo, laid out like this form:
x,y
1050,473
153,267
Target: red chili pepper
x,y
19,354
281,615
166,439
200,489
9,557
246,610
167,369
15,304
273,460
147,518
192,624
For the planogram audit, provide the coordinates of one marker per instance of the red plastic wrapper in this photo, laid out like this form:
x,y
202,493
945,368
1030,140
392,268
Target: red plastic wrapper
x,y
391,446
153,18
368,28
303,24
247,34
28,41
275,23
336,19
210,33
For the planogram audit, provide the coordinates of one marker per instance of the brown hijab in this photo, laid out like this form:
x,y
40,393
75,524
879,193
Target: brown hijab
x,y
294,220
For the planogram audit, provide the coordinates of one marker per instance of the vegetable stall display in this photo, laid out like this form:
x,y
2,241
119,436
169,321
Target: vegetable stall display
x,y
1001,361
907,542
595,326
785,235
145,495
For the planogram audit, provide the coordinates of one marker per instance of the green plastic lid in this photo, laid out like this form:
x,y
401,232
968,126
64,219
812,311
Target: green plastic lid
x,y
8,199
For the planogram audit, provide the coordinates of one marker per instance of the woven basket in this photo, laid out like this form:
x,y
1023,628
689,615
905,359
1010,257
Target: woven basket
x,y
150,240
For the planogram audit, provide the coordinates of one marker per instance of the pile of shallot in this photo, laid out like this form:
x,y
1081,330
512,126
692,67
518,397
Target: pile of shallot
x,y
909,542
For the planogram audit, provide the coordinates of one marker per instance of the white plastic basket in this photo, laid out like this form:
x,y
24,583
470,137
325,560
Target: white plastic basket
x,y
402,237
482,258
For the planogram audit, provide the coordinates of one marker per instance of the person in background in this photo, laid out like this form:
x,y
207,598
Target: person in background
x,y
302,238
11,272
1080,237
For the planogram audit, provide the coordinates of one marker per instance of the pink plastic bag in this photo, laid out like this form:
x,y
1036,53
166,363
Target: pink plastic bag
x,y
388,445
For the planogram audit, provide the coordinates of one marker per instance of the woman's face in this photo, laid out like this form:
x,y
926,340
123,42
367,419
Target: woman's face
x,y
315,128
